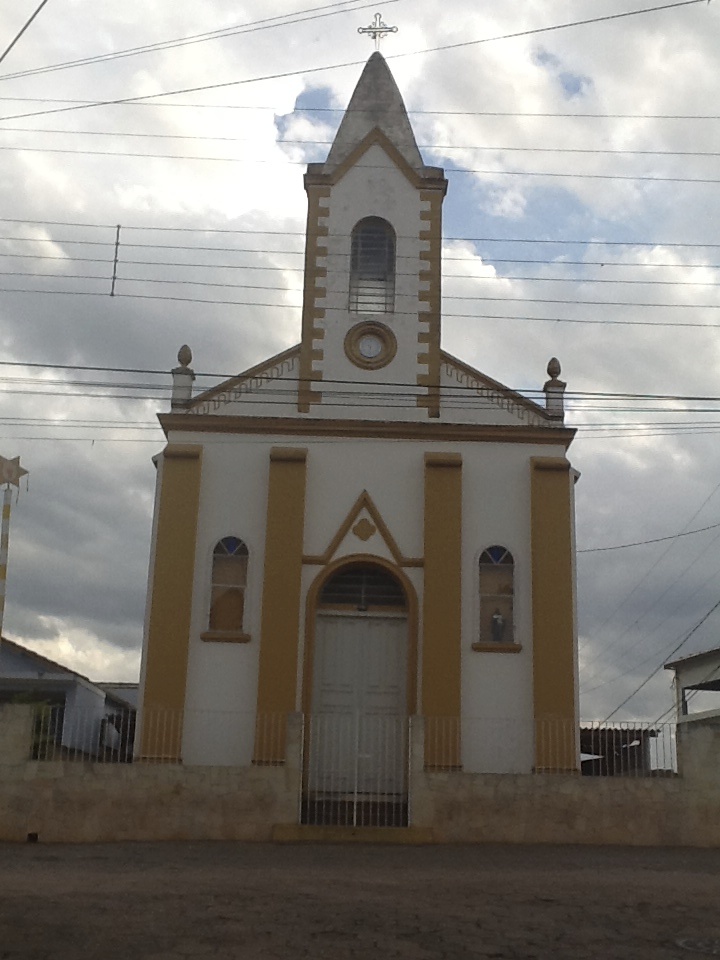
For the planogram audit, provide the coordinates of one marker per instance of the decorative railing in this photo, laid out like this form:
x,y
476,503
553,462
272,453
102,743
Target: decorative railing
x,y
336,751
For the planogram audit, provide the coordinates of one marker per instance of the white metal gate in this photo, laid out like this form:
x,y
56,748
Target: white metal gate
x,y
357,733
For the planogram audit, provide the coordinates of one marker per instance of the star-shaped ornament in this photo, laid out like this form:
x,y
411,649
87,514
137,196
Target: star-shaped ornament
x,y
11,471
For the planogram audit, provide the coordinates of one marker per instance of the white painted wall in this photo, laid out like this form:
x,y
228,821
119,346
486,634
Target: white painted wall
x,y
496,688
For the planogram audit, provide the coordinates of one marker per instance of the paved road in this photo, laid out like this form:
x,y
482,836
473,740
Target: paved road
x,y
173,901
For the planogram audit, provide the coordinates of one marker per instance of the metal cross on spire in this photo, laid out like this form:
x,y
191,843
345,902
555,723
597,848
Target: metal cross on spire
x,y
377,30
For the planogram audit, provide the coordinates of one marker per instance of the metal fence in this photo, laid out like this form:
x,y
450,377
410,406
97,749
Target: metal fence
x,y
353,755
356,770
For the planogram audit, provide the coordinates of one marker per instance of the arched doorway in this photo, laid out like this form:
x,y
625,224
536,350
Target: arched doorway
x,y
356,756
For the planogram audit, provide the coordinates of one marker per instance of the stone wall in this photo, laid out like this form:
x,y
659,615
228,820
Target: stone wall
x,y
91,802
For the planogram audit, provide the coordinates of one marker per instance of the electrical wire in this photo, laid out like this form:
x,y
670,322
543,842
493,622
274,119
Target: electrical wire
x,y
477,277
412,113
643,543
586,321
282,20
355,63
554,241
657,670
24,27
368,166
476,298
326,143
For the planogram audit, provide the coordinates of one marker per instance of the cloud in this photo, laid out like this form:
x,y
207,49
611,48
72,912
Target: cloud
x,y
212,211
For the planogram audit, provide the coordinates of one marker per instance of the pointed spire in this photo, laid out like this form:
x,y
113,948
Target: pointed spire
x,y
376,102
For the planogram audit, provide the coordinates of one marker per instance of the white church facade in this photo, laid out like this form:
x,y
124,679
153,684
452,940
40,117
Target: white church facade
x,y
364,529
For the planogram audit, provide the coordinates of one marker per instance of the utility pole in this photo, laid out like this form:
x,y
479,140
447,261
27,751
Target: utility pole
x,y
10,474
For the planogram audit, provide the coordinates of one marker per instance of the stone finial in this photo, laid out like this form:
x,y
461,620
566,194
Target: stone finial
x,y
185,356
554,391
183,377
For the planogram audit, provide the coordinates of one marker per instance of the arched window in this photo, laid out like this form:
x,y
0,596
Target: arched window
x,y
496,596
229,576
372,267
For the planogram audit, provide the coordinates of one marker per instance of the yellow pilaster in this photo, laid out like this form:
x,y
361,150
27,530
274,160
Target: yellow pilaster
x,y
171,603
553,615
277,682
442,609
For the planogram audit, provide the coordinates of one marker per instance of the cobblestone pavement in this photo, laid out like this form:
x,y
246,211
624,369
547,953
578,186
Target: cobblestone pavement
x,y
173,901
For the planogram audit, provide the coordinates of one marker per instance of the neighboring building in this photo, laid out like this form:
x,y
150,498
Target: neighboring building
x,y
616,751
364,528
75,715
698,672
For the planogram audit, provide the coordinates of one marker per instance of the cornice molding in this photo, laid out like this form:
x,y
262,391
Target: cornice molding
x,y
369,429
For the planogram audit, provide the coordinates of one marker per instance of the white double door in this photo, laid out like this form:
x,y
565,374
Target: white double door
x,y
358,724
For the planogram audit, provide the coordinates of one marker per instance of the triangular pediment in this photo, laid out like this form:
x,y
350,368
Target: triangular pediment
x,y
364,531
499,404
376,136
283,366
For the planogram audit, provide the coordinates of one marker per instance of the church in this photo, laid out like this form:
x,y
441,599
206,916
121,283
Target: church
x,y
364,530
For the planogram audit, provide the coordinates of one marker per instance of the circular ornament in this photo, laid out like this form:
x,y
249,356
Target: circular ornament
x,y
370,345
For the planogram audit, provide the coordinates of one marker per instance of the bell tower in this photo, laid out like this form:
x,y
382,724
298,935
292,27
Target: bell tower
x,y
371,300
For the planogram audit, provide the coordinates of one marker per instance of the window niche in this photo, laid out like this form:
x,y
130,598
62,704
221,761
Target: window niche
x,y
227,592
496,570
372,267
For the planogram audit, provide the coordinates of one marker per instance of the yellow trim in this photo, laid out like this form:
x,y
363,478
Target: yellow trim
x,y
312,607
225,636
504,393
433,175
312,335
442,601
429,320
553,613
277,680
288,454
250,374
371,429
363,502
497,647
351,345
168,638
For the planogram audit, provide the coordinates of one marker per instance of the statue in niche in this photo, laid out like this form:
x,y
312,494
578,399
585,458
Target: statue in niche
x,y
498,627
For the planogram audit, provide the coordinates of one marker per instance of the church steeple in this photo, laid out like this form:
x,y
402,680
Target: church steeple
x,y
376,103
371,300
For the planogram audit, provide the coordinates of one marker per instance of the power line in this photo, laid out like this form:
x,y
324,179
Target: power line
x,y
475,298
17,36
267,23
326,143
660,324
301,233
399,273
642,580
355,63
642,543
367,166
657,670
413,113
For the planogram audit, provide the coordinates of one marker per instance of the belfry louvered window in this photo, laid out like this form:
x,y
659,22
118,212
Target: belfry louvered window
x,y
372,267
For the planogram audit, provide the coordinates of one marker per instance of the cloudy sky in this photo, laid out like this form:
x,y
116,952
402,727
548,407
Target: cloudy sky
x,y
581,222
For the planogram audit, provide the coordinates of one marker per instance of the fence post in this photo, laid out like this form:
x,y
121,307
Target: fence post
x,y
419,797
16,731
